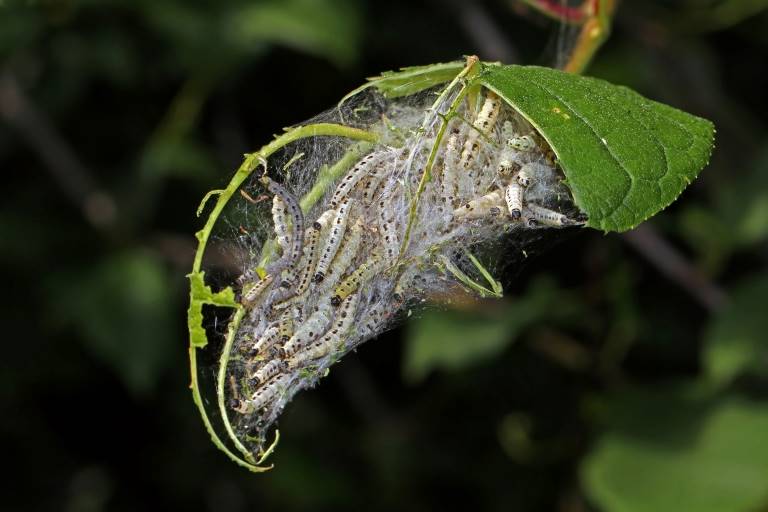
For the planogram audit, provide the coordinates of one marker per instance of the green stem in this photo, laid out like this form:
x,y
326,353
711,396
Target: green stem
x,y
234,323
446,265
425,177
594,32
197,398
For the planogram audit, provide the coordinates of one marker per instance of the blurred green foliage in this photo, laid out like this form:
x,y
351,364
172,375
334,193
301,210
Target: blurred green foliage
x,y
735,342
598,384
451,340
667,451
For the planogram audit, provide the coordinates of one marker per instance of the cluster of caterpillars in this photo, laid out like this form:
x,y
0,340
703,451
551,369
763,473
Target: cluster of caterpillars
x,y
338,279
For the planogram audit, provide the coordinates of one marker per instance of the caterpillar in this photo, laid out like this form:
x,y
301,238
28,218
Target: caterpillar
x,y
356,278
344,257
522,143
267,371
314,327
267,340
293,208
332,338
513,196
280,220
338,227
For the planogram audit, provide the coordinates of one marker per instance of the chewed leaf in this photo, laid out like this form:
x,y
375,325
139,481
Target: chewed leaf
x,y
199,294
625,157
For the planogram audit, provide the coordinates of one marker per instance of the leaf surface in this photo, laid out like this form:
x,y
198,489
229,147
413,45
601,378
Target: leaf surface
x,y
625,157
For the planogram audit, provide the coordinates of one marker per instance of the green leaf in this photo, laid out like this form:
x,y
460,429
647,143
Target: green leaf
x,y
625,157
410,80
451,340
671,452
736,341
200,294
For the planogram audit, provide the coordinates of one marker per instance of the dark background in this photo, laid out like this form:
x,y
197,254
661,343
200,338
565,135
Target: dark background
x,y
621,373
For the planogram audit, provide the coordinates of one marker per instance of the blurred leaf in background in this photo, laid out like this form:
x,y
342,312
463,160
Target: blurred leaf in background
x,y
736,342
453,340
738,218
668,450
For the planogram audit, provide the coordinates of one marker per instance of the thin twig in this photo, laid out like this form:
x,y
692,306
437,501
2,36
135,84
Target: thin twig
x,y
77,182
670,262
487,37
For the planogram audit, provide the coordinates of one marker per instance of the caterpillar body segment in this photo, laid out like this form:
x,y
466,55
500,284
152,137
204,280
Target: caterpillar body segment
x,y
372,183
267,371
307,264
486,120
309,259
388,233
252,291
549,217
285,326
344,257
280,220
524,176
316,350
522,143
309,331
360,275
483,125
449,176
267,340
335,235
345,315
267,393
508,164
513,196
360,171
324,220
333,338
293,209
489,205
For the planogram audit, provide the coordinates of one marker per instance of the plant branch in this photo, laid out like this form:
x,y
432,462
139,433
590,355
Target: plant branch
x,y
595,18
77,182
488,38
670,262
